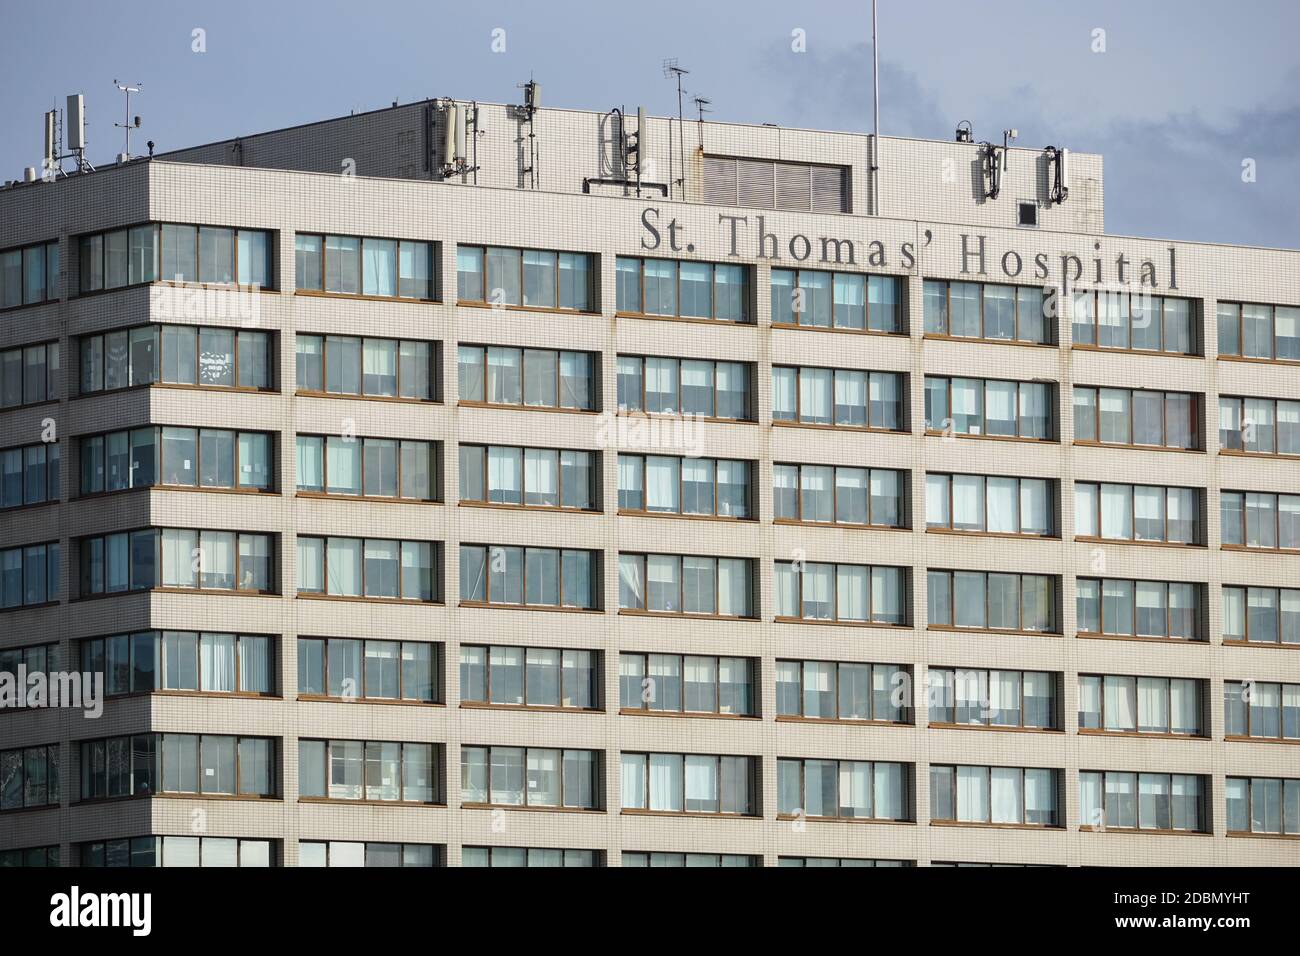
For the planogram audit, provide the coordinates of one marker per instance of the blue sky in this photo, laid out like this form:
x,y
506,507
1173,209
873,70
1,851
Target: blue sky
x,y
1182,95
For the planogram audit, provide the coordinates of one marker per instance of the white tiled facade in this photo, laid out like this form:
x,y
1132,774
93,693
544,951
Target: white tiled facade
x,y
928,206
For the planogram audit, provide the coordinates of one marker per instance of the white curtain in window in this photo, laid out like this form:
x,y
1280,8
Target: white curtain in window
x,y
343,563
663,574
973,794
1001,414
887,595
936,501
178,569
503,473
855,789
888,787
662,483
1120,703
815,395
1034,509
631,588
1090,805
1085,510
783,393
733,586
701,783
1007,795
217,662
967,404
632,781
851,593
540,478
666,782
1184,705
787,590
968,502
343,466
218,559
1002,495
851,391
1153,705
661,385
254,663
1117,511
1004,696
817,585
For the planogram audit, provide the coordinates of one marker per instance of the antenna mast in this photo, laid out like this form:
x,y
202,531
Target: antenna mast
x,y
671,69
128,90
875,139
702,104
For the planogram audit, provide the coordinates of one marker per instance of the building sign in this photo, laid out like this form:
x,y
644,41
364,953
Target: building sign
x,y
742,236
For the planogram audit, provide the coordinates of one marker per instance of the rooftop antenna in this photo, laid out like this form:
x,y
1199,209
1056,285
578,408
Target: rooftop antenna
x,y
702,104
875,139
532,103
671,69
128,125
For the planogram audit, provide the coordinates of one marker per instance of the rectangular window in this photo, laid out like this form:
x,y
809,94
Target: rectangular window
x,y
689,783
175,355
693,684
1261,709
1264,332
991,408
839,300
1119,608
496,375
1261,615
1137,417
694,585
846,593
685,486
178,763
994,698
171,252
1118,512
532,477
351,265
529,677
29,475
371,368
1160,802
869,497
1259,426
218,560
29,375
990,504
29,575
349,669
339,853
530,777
999,313
182,661
374,771
826,690
30,275
1146,705
369,567
527,277
1007,796
843,789
696,387
694,290
529,577
992,601
1263,805
29,777
1134,322
369,467
518,856
842,397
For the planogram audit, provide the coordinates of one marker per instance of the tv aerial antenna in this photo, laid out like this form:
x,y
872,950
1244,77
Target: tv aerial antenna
x,y
671,71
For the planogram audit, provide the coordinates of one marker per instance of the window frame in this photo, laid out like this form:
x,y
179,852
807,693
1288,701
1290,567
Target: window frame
x,y
593,478
86,240
1054,585
1051,486
1199,611
435,575
643,558
1053,429
49,289
432,247
907,770
753,683
85,650
908,715
752,782
595,690
1058,780
1093,297
434,478
900,294
1238,318
592,271
748,316
597,796
1195,429
1049,340
641,457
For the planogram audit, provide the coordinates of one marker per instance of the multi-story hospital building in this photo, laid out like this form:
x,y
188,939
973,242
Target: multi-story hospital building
x,y
466,484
